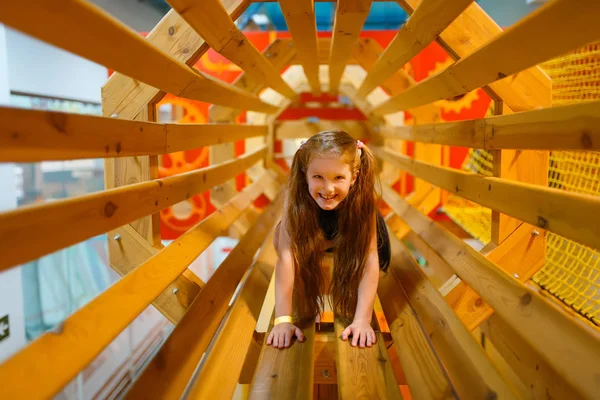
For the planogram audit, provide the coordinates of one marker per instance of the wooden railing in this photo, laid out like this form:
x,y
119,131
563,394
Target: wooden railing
x,y
217,345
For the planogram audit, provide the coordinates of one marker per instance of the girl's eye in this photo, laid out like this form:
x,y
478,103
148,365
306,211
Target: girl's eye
x,y
317,176
339,177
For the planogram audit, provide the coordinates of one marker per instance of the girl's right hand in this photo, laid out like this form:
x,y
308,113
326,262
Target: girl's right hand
x,y
281,335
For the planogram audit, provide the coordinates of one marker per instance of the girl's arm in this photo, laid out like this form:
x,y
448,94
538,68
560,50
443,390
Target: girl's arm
x,y
361,330
281,335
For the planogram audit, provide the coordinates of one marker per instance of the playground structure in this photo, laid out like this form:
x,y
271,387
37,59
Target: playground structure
x,y
425,317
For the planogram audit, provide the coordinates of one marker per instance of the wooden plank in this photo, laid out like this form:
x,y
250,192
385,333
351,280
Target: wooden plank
x,y
547,328
306,128
212,21
300,18
571,127
440,268
222,364
428,20
127,250
324,45
125,97
425,374
286,373
530,366
34,135
567,214
473,374
521,255
364,372
168,373
528,42
528,90
29,232
279,53
134,56
76,342
350,16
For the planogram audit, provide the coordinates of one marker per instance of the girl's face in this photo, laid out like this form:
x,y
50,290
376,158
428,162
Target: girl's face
x,y
329,179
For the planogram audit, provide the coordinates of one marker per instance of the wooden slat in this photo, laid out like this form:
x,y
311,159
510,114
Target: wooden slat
x,y
441,270
279,53
474,375
529,42
223,362
125,96
300,18
364,373
571,127
425,374
530,366
306,128
570,347
131,250
168,373
76,342
350,16
210,19
286,373
528,90
34,135
30,232
567,214
429,19
133,56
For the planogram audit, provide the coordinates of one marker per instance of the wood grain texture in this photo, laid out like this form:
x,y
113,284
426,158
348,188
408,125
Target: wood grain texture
x,y
169,372
364,373
75,343
212,22
567,214
529,90
546,327
218,374
428,20
85,216
528,42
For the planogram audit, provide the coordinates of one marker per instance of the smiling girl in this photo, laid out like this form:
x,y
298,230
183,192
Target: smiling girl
x,y
330,206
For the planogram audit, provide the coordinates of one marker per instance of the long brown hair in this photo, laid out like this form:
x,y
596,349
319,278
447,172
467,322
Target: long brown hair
x,y
356,224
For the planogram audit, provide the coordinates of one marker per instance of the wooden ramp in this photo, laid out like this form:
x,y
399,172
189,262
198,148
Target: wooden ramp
x,y
467,324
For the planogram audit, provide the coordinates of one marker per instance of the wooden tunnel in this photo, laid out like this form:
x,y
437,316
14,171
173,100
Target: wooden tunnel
x,y
428,323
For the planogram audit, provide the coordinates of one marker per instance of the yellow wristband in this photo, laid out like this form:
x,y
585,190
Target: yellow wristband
x,y
281,320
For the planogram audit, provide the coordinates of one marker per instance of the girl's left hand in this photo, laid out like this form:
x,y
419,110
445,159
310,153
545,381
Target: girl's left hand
x,y
362,334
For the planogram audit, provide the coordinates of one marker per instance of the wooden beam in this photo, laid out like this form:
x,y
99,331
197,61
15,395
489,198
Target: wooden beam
x,y
30,232
306,128
286,373
529,43
168,373
324,45
128,250
429,19
529,90
134,56
223,362
125,97
473,374
34,135
425,374
300,18
350,16
77,342
530,366
441,270
279,53
547,328
571,127
212,21
521,255
567,214
364,372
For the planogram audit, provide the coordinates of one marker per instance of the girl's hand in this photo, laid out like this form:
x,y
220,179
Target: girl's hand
x,y
362,334
281,335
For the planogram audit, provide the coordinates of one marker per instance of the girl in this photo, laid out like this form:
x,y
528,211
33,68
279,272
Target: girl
x,y
330,206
